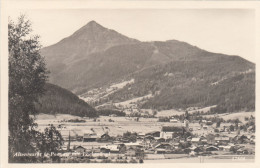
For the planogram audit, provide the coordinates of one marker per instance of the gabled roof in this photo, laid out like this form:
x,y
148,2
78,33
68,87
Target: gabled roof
x,y
80,147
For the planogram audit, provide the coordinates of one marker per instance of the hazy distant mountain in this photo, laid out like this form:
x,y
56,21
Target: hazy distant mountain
x,y
176,73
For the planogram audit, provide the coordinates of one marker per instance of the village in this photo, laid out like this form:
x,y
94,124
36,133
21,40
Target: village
x,y
115,139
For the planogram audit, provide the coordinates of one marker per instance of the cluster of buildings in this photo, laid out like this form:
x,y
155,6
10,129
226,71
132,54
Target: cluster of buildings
x,y
170,140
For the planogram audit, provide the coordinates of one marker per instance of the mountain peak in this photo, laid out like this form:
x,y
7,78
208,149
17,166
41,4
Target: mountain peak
x,y
93,23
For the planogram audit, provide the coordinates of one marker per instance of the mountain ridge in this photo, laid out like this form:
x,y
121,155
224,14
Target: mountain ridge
x,y
94,61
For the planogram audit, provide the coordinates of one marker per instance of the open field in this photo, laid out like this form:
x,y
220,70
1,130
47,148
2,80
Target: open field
x,y
118,126
167,113
226,116
101,125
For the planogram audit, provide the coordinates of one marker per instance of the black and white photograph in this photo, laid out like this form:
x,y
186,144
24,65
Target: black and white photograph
x,y
128,85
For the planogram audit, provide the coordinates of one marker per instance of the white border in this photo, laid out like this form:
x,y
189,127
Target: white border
x,y
80,4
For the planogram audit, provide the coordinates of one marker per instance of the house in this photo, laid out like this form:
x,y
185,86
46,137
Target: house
x,y
133,145
203,140
244,150
139,140
189,139
166,135
150,137
104,138
153,134
130,152
192,153
173,120
90,137
209,123
141,134
176,145
221,139
212,148
160,151
205,127
80,149
225,147
204,121
159,140
168,132
241,139
79,138
195,149
110,148
195,140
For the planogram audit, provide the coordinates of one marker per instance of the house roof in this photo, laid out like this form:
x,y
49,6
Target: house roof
x,y
172,129
80,147
90,136
162,144
153,132
221,138
132,144
213,147
195,139
141,134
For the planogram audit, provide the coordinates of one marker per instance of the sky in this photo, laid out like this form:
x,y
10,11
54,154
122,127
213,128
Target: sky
x,y
227,31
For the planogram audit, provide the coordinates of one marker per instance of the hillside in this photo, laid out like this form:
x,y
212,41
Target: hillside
x,y
57,100
163,74
183,84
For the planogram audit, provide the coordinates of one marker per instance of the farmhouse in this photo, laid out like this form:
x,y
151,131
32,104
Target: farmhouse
x,y
168,132
104,138
80,149
89,136
109,148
